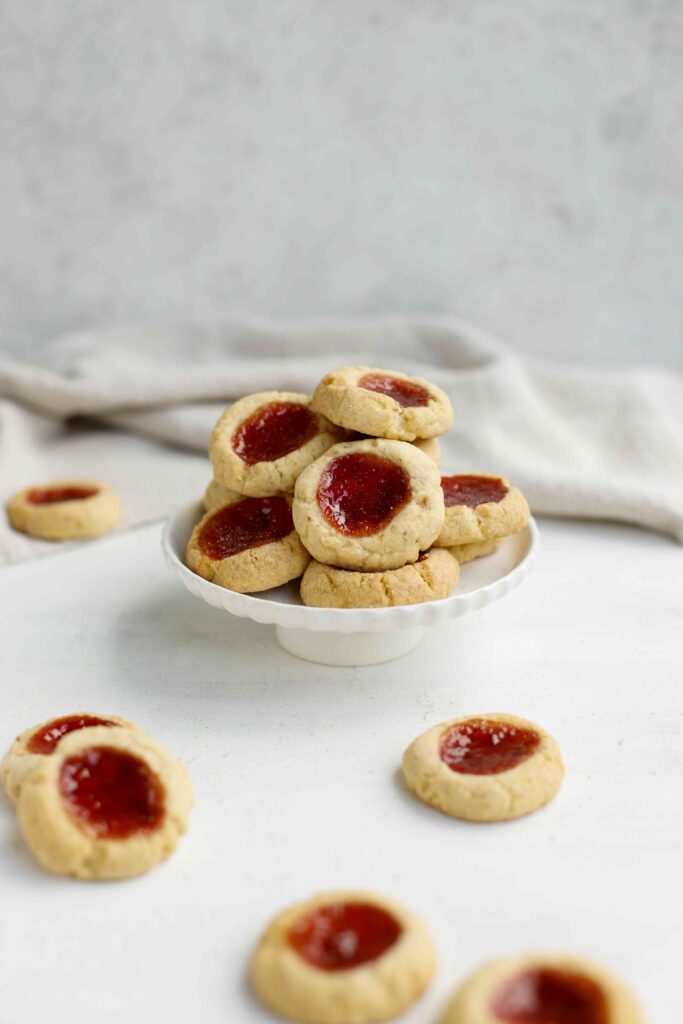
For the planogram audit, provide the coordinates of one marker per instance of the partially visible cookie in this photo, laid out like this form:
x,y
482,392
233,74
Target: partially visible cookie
x,y
216,495
40,741
342,958
431,447
485,767
248,545
108,803
261,444
65,510
480,507
477,549
383,403
369,505
431,578
543,987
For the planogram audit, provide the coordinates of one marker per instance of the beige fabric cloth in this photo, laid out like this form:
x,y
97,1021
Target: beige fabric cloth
x,y
135,406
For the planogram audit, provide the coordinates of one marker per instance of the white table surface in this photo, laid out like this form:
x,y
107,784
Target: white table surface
x,y
295,765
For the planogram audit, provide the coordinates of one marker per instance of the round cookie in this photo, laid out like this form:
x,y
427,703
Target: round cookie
x,y
261,444
383,403
477,549
431,578
342,958
369,505
216,495
40,741
65,510
431,447
480,507
484,767
248,545
539,987
109,803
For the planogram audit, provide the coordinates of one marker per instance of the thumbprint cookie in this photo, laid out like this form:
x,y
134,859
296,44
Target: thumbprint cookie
x,y
485,767
261,444
65,510
431,578
383,403
108,803
369,505
480,507
342,958
540,988
248,545
477,549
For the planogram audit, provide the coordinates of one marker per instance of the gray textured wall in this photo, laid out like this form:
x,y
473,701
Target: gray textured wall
x,y
517,162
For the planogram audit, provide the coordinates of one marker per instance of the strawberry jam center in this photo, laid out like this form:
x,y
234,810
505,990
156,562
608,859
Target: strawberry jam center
x,y
472,490
402,391
51,495
360,493
482,746
344,935
273,431
46,739
110,793
549,996
246,524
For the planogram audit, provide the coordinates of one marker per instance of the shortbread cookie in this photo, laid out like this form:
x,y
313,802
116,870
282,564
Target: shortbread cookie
x,y
485,767
261,444
216,495
65,510
480,507
477,549
543,988
109,803
368,505
248,545
41,741
383,403
342,958
429,579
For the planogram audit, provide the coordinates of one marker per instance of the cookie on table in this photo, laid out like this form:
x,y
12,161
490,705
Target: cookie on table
x,y
40,741
261,444
383,403
431,578
216,495
480,507
484,767
368,505
539,987
108,803
248,545
65,510
477,549
342,958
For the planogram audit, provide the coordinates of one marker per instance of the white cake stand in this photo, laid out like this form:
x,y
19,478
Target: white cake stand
x,y
354,636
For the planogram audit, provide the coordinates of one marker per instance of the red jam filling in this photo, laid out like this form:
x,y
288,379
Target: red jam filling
x,y
549,996
273,431
360,493
110,793
246,524
344,935
402,391
46,739
50,495
472,490
481,746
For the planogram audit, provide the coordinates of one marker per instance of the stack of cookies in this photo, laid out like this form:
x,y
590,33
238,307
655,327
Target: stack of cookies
x,y
344,490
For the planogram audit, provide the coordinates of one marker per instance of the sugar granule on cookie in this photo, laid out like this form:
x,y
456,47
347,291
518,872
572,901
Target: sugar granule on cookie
x,y
65,510
383,403
342,958
484,768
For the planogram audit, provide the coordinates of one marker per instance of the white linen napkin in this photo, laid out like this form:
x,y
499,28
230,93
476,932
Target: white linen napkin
x,y
135,406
